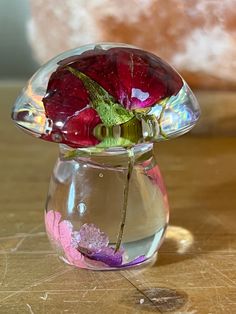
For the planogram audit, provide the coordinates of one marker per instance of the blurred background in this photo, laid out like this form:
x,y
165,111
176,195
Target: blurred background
x,y
198,37
16,57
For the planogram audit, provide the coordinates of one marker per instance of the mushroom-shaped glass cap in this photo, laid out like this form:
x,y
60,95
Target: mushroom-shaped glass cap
x,y
106,95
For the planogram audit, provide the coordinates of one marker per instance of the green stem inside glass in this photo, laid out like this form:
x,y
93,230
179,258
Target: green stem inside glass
x,y
126,195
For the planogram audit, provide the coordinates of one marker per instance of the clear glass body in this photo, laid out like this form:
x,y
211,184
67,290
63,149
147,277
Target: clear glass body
x,y
85,209
105,104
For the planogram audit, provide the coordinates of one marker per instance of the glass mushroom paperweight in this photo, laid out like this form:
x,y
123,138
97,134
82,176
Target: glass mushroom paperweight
x,y
105,105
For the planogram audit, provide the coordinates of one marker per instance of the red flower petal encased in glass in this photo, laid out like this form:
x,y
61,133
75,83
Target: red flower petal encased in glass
x,y
106,96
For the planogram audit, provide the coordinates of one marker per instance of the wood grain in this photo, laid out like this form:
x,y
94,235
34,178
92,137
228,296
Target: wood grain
x,y
196,268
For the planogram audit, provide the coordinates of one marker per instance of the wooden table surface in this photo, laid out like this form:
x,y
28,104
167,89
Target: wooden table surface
x,y
196,268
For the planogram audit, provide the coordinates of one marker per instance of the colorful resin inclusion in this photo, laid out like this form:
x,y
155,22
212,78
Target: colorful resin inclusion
x,y
86,248
106,96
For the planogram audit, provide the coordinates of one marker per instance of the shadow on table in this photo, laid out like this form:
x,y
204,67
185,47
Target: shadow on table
x,y
158,300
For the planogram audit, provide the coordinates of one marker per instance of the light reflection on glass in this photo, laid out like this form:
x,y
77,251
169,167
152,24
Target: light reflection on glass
x,y
71,199
81,208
